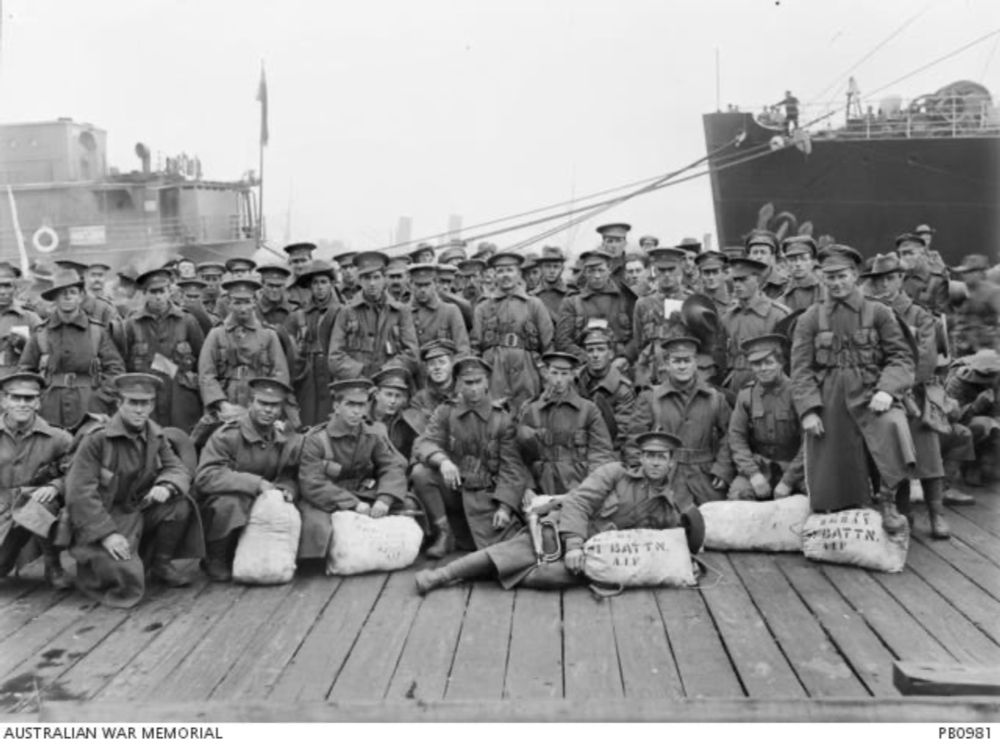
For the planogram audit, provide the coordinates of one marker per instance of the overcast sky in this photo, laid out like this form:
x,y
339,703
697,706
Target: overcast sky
x,y
481,109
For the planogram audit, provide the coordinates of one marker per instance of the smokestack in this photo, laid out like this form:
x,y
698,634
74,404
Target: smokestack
x,y
143,152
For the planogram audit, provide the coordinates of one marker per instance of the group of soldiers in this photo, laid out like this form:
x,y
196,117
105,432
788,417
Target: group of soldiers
x,y
141,422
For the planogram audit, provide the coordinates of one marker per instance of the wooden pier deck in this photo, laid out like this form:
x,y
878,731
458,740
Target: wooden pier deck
x,y
772,637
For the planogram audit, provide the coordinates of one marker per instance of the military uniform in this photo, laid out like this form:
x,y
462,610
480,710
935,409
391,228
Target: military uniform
x,y
562,439
368,335
439,319
742,322
15,315
552,295
615,398
977,320
928,289
773,284
310,328
649,321
720,297
339,468
468,316
510,332
235,352
799,295
613,303
104,312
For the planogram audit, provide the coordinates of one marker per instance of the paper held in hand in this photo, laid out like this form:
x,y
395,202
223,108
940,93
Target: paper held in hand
x,y
163,365
671,306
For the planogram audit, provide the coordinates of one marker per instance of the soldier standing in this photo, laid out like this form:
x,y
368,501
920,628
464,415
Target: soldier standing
x,y
851,366
443,279
192,292
691,248
127,487
602,383
765,437
349,286
601,297
712,267
422,254
562,436
926,285
432,317
75,355
614,237
274,304
96,304
977,318
551,290
397,279
300,255
372,329
164,340
211,273
762,246
650,322
803,288
32,451
531,272
244,458
17,323
511,331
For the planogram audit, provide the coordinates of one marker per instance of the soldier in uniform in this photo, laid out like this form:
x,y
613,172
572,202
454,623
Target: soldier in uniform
x,y
974,382
349,286
397,279
613,497
468,473
75,355
697,414
31,480
753,314
211,272
649,322
238,350
762,246
926,285
437,357
192,291
372,329
443,279
977,318
390,408
310,327
164,340
765,437
237,268
562,436
471,271
127,488
604,384
453,253
17,323
531,272
712,268
423,253
600,297
551,289
347,464
511,331
614,239
432,317
274,303
691,249
636,273
300,255
803,288
244,458
886,276
851,366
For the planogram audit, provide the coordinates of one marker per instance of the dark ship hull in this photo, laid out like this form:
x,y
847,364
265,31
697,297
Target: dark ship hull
x,y
863,190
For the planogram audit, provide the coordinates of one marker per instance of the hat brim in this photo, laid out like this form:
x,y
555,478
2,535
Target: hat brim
x,y
52,292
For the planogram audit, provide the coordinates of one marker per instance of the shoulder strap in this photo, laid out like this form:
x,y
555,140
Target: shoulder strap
x,y
42,337
867,313
823,318
94,330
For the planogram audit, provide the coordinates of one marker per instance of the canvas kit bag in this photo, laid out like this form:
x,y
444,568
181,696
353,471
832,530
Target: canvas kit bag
x,y
361,544
854,537
626,558
771,526
268,546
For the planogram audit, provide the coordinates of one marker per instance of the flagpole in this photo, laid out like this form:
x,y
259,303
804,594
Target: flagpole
x,y
260,200
264,135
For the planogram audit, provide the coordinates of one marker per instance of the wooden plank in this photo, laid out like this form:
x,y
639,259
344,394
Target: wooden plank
x,y
702,661
427,658
369,667
481,655
15,586
976,568
647,663
223,644
141,676
144,623
763,669
313,669
963,640
978,606
913,678
969,532
591,668
621,710
275,643
33,636
982,513
862,648
535,664
890,621
22,602
817,662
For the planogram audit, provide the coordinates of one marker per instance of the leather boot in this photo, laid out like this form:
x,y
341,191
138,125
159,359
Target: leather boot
x,y
10,548
903,502
168,537
933,488
54,573
444,543
472,566
892,521
217,563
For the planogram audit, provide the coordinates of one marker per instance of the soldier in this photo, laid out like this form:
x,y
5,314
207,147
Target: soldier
x,y
886,276
349,286
551,289
310,328
423,253
274,303
764,433
600,297
511,331
437,357
76,356
928,287
126,487
192,292
397,279
974,383
803,288
471,270
444,278
238,350
31,482
648,241
211,273
17,323
300,255
372,329
164,340
691,249
468,474
613,497
126,293
712,268
602,383
531,272
977,318
244,458
237,268
432,317
453,253
753,314
649,322
97,305
851,365
562,436
636,273
390,409
762,246
698,414
614,237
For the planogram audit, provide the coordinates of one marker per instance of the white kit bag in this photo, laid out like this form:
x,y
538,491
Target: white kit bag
x,y
624,558
361,544
772,526
267,548
854,537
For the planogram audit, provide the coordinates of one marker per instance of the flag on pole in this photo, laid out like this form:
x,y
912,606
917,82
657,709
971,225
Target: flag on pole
x,y
262,98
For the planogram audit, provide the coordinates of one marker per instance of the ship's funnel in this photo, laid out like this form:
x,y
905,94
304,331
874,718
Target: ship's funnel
x,y
143,152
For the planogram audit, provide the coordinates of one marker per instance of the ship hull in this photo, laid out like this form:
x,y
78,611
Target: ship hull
x,y
863,192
